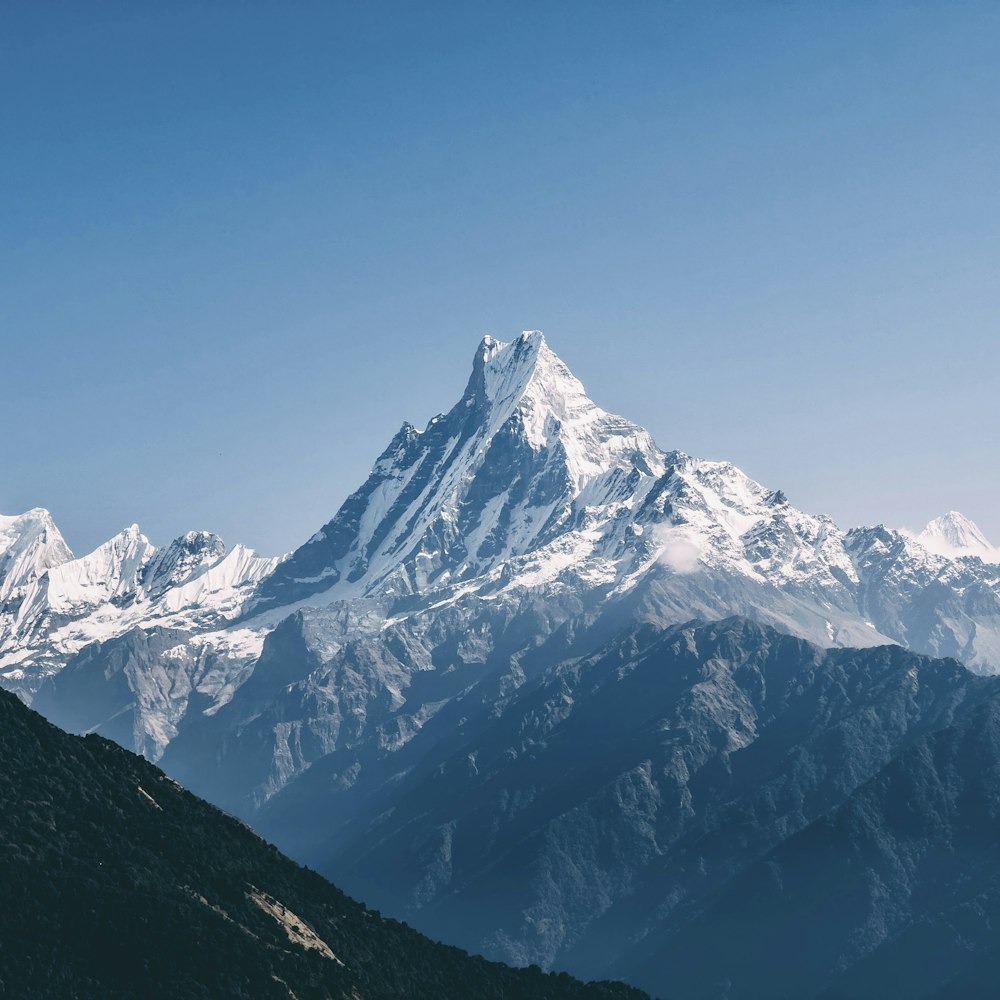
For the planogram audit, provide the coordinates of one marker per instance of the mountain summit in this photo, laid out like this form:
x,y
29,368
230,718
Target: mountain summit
x,y
527,382
953,535
500,474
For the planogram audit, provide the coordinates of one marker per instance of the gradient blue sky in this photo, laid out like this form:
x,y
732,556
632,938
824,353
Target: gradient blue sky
x,y
241,243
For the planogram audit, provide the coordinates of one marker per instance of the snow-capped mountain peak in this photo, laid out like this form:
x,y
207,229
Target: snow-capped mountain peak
x,y
30,544
504,373
527,379
527,484
112,570
953,535
523,452
52,604
180,560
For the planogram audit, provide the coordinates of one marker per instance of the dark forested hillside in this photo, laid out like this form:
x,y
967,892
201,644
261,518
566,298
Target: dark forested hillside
x,y
116,883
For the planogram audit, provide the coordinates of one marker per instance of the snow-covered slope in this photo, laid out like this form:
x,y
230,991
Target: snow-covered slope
x,y
55,605
954,536
524,493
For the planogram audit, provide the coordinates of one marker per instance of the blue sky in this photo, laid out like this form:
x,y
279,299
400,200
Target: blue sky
x,y
241,243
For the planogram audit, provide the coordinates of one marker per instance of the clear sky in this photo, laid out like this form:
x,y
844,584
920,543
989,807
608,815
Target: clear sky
x,y
240,243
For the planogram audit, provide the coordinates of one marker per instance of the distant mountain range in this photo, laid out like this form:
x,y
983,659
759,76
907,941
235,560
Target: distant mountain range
x,y
485,693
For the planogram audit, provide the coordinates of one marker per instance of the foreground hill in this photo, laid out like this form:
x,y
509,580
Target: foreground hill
x,y
116,883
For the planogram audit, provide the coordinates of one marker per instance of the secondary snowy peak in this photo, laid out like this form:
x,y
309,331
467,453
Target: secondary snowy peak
x,y
522,454
180,560
733,523
30,544
953,535
65,603
113,570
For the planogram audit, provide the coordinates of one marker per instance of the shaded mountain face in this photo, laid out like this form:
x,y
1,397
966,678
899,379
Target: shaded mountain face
x,y
593,818
894,893
116,883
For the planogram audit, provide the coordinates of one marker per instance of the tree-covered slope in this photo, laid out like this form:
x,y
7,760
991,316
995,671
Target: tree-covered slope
x,y
115,883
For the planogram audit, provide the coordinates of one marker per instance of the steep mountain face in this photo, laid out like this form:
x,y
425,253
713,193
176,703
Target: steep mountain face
x,y
894,893
55,605
118,884
589,820
511,467
524,487
142,685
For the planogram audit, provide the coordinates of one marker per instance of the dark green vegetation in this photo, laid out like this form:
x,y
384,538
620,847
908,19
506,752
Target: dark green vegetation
x,y
117,883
